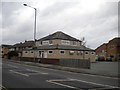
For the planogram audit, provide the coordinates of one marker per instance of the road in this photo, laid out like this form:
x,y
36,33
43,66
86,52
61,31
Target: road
x,y
15,75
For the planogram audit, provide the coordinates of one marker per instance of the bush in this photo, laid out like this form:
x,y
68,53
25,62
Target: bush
x,y
101,58
12,54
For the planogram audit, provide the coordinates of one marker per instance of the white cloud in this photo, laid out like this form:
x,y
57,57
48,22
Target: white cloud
x,y
97,21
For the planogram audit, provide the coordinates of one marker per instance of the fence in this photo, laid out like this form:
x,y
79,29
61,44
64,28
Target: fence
x,y
79,63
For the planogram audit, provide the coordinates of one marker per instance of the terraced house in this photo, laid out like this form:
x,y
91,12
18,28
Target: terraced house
x,y
60,46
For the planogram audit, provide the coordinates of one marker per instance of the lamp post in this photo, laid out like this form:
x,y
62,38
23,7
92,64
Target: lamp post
x,y
34,27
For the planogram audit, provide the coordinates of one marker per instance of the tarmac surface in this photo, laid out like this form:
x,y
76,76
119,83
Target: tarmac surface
x,y
36,76
98,68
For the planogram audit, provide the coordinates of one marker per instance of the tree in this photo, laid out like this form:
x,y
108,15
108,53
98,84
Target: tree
x,y
12,54
83,41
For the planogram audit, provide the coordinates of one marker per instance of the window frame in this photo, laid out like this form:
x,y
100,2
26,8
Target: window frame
x,y
49,51
86,52
62,53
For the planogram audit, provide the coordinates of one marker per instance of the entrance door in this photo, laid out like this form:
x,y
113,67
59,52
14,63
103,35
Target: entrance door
x,y
42,54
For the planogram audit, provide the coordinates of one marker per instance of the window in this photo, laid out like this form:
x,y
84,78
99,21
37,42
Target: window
x,y
111,47
79,52
65,42
74,43
45,42
71,52
62,52
50,52
26,52
92,53
86,52
31,51
50,42
2,51
111,55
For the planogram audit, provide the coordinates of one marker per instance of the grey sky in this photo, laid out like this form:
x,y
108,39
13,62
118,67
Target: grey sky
x,y
96,21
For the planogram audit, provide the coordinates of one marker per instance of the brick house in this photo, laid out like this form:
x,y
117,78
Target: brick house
x,y
110,50
60,46
19,47
101,51
4,50
113,49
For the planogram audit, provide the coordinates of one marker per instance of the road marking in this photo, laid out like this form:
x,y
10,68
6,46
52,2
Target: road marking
x,y
19,73
39,72
69,79
96,83
61,84
70,72
12,66
3,88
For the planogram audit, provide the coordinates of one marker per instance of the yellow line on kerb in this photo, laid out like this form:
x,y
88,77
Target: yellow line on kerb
x,y
3,88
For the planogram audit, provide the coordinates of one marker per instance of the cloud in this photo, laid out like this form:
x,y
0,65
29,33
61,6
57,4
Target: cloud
x,y
97,25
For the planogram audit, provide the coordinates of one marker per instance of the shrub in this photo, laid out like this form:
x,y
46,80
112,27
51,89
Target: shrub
x,y
12,54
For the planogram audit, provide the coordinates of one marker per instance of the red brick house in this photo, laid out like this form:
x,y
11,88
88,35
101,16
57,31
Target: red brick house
x,y
110,50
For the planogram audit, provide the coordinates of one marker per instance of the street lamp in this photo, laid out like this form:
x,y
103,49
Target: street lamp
x,y
34,26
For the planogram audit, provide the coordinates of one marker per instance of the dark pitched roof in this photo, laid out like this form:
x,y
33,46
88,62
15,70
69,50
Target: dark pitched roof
x,y
116,40
25,44
63,47
59,35
5,45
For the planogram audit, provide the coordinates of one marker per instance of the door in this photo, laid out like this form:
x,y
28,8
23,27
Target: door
x,y
42,54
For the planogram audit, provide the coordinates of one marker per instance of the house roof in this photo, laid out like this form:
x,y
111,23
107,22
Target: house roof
x,y
25,44
5,45
63,47
58,35
104,44
116,40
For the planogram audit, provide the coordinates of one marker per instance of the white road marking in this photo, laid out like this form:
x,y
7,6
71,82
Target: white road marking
x,y
96,83
69,79
2,87
19,73
38,72
71,72
61,84
12,66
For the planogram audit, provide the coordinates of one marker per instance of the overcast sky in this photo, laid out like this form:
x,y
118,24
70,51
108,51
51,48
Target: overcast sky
x,y
96,20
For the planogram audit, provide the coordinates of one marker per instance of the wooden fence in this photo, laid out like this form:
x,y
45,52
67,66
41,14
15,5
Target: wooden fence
x,y
79,63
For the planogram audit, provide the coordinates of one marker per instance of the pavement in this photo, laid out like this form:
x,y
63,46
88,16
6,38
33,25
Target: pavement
x,y
95,68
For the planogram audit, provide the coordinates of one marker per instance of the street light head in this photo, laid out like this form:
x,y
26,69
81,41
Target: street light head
x,y
25,4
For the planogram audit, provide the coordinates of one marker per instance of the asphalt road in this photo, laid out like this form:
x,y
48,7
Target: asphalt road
x,y
15,75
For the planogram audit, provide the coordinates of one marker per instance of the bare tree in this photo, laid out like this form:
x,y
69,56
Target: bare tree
x,y
83,41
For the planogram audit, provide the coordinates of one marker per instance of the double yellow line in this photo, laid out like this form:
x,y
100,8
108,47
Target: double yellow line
x,y
3,88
